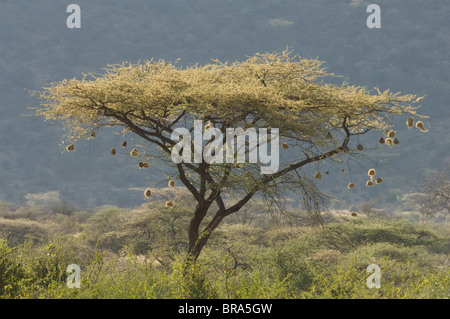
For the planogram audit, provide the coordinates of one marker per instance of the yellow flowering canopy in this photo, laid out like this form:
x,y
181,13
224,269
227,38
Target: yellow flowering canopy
x,y
266,90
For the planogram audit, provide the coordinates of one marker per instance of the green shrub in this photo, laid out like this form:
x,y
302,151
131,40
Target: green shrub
x,y
352,233
10,271
372,252
241,261
398,280
286,261
193,283
17,231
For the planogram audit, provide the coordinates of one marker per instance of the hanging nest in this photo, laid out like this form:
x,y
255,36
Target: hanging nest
x,y
354,214
148,192
359,147
389,142
381,140
169,204
410,122
371,172
285,145
391,134
124,144
113,151
238,165
346,149
421,126
93,134
318,175
145,165
369,183
342,170
351,185
141,165
70,148
171,183
134,152
379,180
396,141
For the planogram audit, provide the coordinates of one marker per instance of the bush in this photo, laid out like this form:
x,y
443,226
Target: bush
x,y
28,271
193,282
70,224
286,261
352,233
19,230
370,253
105,220
10,271
118,249
398,280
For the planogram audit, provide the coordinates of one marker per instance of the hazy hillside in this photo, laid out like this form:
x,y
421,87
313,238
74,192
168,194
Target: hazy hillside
x,y
410,53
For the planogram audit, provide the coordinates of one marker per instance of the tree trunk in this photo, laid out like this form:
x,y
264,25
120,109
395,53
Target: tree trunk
x,y
193,234
198,240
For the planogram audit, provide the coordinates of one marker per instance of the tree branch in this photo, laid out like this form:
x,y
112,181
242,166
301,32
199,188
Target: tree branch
x,y
187,183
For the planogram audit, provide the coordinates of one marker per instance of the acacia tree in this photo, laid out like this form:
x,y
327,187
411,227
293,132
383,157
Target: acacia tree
x,y
315,119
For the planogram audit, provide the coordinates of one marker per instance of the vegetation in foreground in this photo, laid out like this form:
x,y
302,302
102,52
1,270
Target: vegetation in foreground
x,y
139,253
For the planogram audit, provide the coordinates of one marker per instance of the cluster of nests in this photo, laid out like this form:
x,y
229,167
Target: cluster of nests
x,y
143,165
371,174
351,185
390,139
134,153
169,203
369,183
371,180
419,124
